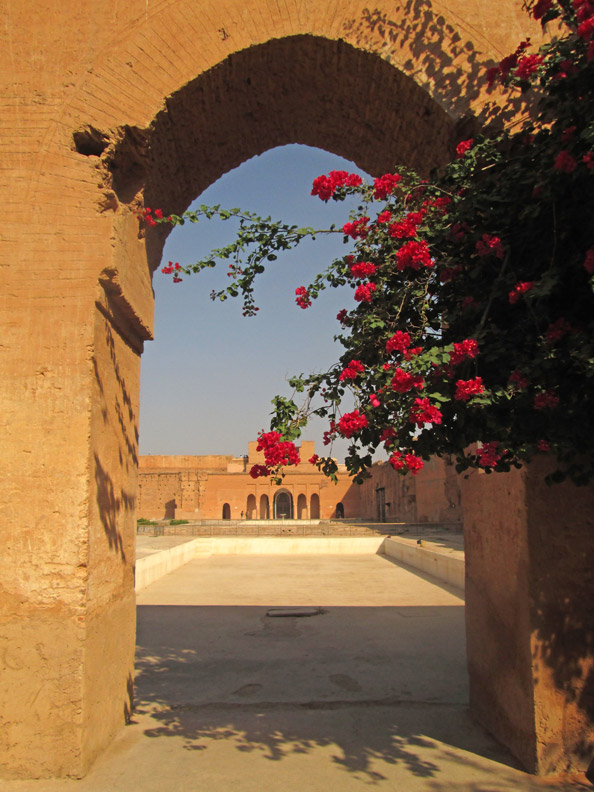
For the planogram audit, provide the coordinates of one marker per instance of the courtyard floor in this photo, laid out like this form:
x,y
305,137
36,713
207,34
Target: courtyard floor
x,y
369,693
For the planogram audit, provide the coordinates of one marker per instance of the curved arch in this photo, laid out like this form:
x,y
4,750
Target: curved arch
x,y
302,507
339,511
250,508
264,507
283,505
226,511
314,508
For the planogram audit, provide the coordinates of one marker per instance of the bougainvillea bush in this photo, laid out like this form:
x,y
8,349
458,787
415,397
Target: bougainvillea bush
x,y
471,326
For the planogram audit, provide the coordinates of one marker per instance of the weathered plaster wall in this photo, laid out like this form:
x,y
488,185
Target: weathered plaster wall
x,y
530,622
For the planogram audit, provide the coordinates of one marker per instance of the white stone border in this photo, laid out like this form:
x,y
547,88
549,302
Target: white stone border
x,y
446,568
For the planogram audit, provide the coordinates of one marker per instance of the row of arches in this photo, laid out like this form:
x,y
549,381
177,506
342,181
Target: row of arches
x,y
283,507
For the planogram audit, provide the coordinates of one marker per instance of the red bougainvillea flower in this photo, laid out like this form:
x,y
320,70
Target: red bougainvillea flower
x,y
541,8
412,254
362,269
384,217
589,261
405,228
423,412
388,435
342,315
527,66
518,379
326,186
489,245
466,389
413,463
404,381
303,299
259,470
463,350
556,330
384,185
351,423
488,454
352,371
364,292
545,401
276,450
399,342
374,400
518,290
588,160
564,162
313,460
463,147
543,445
408,462
357,229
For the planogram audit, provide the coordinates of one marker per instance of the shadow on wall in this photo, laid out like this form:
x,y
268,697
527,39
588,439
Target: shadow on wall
x,y
110,506
561,548
453,68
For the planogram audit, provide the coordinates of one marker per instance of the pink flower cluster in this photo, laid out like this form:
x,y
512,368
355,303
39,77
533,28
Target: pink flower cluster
x,y
412,254
488,454
361,269
399,342
364,292
423,412
303,299
565,162
463,147
408,462
352,371
276,452
326,186
489,245
518,290
404,381
546,400
466,389
357,229
351,423
463,350
407,227
384,185
172,268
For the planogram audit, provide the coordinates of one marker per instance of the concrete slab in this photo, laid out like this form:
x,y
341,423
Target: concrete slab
x,y
372,692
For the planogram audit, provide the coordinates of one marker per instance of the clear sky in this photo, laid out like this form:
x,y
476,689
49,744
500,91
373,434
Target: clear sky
x,y
208,377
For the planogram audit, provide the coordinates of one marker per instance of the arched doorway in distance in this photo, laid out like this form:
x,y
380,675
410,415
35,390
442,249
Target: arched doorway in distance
x,y
301,507
339,511
314,509
250,509
264,507
226,511
283,505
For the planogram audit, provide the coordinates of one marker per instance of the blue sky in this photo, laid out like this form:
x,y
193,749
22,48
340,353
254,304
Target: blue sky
x,y
208,377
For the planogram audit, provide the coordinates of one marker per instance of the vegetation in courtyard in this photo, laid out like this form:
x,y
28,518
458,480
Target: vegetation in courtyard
x,y
471,330
178,522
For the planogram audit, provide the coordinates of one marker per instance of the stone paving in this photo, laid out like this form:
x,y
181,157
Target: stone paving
x,y
370,693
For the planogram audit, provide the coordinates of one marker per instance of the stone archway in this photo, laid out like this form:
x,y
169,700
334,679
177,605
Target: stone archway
x,y
133,119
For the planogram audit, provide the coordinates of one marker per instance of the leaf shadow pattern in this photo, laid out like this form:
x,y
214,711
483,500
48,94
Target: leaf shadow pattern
x,y
452,70
359,735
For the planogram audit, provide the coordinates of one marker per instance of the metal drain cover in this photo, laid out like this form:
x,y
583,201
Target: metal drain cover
x,y
280,612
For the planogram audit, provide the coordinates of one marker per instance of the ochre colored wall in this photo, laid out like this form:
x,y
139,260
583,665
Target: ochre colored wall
x,y
530,621
198,487
164,97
